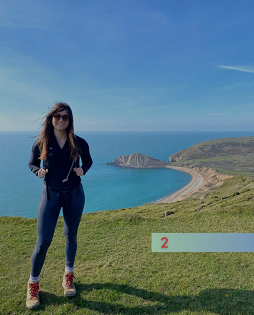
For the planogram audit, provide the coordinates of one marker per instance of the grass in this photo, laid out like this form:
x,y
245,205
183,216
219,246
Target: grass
x,y
116,272
227,172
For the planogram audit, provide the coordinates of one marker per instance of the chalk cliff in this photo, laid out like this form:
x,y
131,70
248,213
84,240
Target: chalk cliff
x,y
138,160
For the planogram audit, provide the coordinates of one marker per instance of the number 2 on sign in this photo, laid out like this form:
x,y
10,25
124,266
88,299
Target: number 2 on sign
x,y
164,245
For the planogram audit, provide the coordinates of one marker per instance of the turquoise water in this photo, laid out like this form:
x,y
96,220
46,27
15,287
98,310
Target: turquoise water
x,y
106,187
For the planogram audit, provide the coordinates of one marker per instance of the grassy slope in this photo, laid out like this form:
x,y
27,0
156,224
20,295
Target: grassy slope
x,y
116,272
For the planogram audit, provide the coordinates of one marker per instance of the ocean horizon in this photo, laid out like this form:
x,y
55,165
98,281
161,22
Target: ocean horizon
x,y
106,187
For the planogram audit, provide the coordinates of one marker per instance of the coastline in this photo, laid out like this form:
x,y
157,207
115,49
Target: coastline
x,y
197,181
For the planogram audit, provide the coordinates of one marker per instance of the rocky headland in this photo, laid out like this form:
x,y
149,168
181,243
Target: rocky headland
x,y
138,160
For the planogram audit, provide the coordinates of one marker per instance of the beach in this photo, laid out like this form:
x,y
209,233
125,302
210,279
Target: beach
x,y
197,181
202,180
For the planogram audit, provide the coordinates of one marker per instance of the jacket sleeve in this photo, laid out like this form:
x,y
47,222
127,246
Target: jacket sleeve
x,y
85,155
34,162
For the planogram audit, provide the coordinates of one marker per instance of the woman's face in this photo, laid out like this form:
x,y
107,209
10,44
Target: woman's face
x,y
60,120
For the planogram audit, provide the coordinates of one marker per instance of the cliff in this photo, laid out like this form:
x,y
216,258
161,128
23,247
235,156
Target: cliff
x,y
138,160
212,180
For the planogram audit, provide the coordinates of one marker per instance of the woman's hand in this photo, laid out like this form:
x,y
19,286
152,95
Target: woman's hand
x,y
79,171
42,173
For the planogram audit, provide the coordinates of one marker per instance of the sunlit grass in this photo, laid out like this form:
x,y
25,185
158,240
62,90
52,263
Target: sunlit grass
x,y
116,272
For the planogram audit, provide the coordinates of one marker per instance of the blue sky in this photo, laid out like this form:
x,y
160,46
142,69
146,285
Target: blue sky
x,y
128,65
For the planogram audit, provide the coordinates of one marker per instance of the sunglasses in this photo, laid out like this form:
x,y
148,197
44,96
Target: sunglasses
x,y
58,117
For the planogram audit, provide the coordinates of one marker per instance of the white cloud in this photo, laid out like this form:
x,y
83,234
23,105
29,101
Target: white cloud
x,y
238,68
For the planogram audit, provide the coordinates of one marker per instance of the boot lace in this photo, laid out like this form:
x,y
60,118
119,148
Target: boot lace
x,y
69,279
34,289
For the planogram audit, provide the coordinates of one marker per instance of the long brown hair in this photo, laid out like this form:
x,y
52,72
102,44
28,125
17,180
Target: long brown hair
x,y
48,129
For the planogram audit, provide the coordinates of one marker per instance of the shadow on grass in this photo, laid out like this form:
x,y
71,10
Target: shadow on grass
x,y
218,301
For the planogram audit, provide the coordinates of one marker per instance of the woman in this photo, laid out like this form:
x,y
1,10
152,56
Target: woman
x,y
59,149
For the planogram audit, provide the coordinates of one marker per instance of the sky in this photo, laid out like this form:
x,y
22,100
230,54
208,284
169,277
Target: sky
x,y
136,65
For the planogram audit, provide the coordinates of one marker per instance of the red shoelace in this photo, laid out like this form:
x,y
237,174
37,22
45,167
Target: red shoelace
x,y
69,279
34,289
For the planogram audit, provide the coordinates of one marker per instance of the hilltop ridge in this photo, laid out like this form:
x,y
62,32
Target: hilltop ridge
x,y
233,156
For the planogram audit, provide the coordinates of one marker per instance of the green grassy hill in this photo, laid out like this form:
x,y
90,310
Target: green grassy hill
x,y
233,156
116,272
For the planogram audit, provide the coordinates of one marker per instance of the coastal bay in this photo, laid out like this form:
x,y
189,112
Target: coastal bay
x,y
209,163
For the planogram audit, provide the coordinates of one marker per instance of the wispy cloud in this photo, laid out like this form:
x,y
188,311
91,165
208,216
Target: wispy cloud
x,y
14,85
238,68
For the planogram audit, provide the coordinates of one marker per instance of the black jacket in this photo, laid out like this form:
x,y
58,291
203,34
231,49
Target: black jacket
x,y
59,162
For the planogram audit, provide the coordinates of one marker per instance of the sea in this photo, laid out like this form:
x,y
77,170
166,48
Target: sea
x,y
106,187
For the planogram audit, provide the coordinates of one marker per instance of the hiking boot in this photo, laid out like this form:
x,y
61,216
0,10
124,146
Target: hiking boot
x,y
68,285
32,298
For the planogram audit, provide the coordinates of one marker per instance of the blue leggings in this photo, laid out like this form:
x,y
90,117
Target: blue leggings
x,y
48,212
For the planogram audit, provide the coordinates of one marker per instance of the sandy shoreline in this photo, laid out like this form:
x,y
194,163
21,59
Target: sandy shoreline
x,y
196,182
